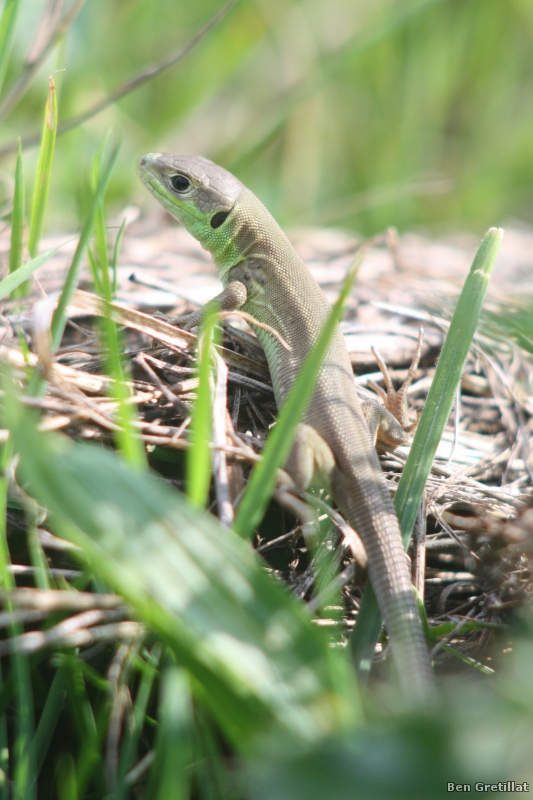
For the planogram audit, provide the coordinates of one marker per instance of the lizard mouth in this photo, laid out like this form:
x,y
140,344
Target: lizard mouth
x,y
152,174
145,168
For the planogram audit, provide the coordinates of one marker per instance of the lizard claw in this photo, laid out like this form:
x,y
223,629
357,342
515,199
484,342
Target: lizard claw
x,y
389,423
396,401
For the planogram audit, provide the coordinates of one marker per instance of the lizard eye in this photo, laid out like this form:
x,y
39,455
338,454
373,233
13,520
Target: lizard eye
x,y
180,183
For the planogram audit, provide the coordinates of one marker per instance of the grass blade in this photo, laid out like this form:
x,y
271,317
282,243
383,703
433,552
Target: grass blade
x,y
23,750
4,750
22,274
38,560
470,662
444,386
6,582
17,217
55,701
44,171
169,776
116,251
95,272
132,735
430,428
60,316
199,455
7,32
210,767
279,442
24,768
127,442
67,788
84,722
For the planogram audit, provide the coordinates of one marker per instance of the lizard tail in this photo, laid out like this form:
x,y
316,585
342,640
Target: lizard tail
x,y
367,504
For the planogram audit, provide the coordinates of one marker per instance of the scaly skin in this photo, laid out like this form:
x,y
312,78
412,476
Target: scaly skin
x,y
263,275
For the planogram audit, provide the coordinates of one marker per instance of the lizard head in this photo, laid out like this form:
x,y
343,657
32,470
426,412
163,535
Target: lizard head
x,y
197,192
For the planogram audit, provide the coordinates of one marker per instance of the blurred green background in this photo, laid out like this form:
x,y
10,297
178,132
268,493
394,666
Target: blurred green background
x,y
414,113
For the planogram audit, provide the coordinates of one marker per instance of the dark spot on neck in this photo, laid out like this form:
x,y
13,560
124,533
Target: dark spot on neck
x,y
218,218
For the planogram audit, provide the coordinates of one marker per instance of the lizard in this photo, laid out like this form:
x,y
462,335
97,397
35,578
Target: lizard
x,y
263,275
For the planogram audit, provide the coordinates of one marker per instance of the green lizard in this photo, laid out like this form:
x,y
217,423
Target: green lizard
x,y
262,275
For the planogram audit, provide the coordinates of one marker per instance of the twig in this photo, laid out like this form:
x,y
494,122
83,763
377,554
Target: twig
x,y
72,632
140,358
53,600
22,569
118,676
32,642
140,768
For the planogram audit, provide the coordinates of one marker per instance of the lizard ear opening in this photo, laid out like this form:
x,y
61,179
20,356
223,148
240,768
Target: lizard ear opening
x,y
218,218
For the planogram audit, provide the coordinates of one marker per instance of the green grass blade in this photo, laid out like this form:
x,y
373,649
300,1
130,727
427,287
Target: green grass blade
x,y
55,700
438,632
116,251
17,217
24,787
125,437
210,768
22,274
36,552
100,226
67,785
23,751
101,249
71,282
7,32
84,721
199,454
95,272
44,171
441,395
470,662
6,582
4,750
169,776
134,730
279,442
60,316
430,428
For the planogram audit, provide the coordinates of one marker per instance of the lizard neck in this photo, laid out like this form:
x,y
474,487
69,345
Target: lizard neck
x,y
249,234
